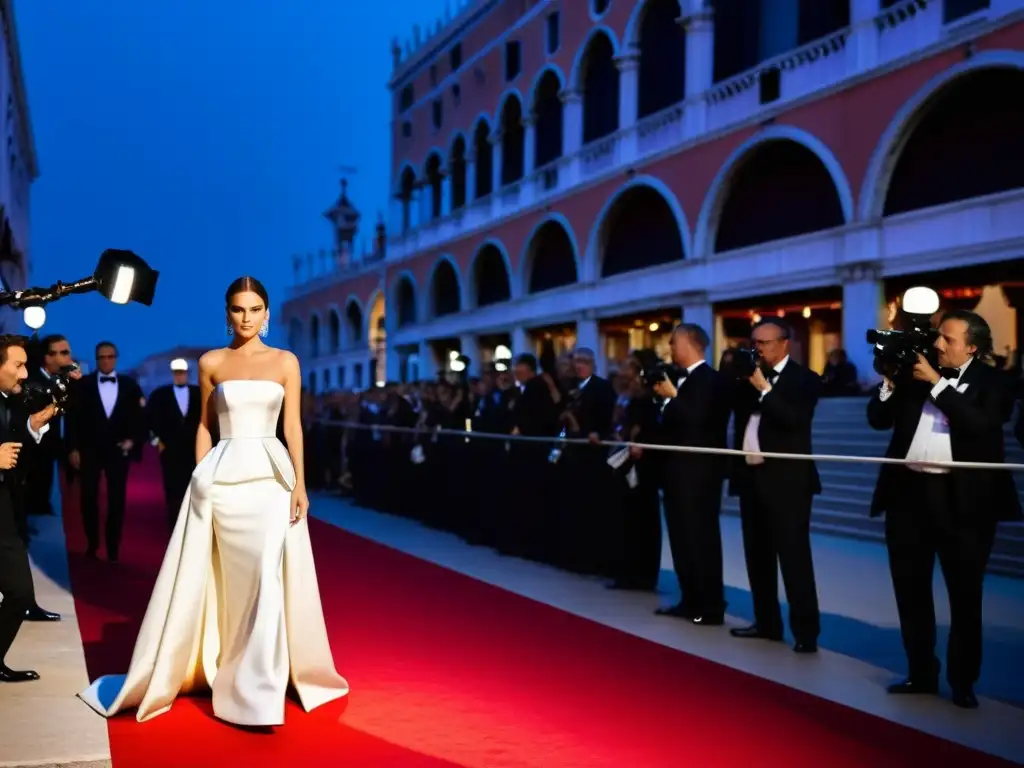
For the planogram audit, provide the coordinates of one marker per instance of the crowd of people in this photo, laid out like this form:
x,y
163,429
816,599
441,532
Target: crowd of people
x,y
446,453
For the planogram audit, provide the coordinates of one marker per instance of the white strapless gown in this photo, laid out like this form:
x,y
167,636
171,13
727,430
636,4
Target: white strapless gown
x,y
236,606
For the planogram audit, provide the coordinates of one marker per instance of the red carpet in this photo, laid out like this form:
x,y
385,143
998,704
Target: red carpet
x,y
447,671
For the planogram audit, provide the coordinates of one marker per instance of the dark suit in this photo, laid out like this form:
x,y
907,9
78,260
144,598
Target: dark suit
x,y
952,516
96,435
15,572
775,500
176,431
698,417
39,474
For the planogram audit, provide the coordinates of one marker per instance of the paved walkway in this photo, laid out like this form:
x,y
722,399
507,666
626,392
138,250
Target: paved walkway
x,y
860,643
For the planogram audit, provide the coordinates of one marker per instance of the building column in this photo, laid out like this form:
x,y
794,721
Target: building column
x,y
862,45
700,67
863,310
469,345
529,145
588,334
521,343
702,313
470,177
629,94
572,135
427,362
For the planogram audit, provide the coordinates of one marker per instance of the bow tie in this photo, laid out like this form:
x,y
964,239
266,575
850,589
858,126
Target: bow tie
x,y
949,373
181,386
110,379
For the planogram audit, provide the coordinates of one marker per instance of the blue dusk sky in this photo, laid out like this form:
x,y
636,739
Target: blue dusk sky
x,y
205,135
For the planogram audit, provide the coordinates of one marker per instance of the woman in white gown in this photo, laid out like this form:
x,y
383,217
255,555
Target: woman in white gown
x,y
236,606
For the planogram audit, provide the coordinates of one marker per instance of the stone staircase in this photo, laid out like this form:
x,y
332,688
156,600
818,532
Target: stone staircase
x,y
840,427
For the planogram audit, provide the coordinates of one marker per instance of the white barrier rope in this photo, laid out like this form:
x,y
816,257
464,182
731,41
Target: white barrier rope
x,y
676,448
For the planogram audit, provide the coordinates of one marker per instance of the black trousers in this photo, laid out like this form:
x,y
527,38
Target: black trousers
x,y
776,525
637,539
692,510
176,471
923,526
114,467
39,485
15,575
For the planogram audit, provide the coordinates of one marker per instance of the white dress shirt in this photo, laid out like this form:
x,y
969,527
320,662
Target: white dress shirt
x,y
108,392
181,395
931,440
751,442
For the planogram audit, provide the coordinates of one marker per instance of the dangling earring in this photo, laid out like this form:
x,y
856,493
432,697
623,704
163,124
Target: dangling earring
x,y
231,331
265,328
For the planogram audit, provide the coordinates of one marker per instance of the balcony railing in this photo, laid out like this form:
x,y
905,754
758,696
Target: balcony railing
x,y
912,28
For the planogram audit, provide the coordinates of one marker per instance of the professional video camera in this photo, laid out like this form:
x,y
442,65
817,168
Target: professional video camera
x,y
54,391
659,371
896,350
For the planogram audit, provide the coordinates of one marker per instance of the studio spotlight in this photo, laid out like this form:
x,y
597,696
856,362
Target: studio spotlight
x,y
121,276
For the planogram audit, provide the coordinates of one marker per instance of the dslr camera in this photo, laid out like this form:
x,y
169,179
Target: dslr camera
x,y
745,361
55,391
896,351
659,371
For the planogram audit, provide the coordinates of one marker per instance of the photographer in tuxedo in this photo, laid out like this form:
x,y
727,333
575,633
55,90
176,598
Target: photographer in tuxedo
x,y
56,354
774,409
696,414
954,412
105,431
17,431
172,413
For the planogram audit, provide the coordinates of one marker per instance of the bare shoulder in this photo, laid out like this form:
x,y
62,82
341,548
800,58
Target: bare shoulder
x,y
286,359
210,361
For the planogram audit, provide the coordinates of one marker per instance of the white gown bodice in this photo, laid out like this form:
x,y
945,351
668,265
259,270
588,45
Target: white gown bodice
x,y
248,449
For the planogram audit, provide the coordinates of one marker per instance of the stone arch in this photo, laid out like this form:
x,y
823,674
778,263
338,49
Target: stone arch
x,y
433,177
445,288
509,119
549,68
296,336
718,193
376,319
490,274
334,340
579,60
483,154
458,152
547,110
654,33
315,321
594,266
561,268
874,190
354,321
404,292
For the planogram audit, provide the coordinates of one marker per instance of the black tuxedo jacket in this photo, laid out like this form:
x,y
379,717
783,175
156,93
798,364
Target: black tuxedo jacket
x,y
533,411
787,413
976,418
52,445
91,432
175,430
697,416
14,429
595,406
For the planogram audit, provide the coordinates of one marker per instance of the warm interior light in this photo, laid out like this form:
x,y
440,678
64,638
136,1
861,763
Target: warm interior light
x,y
500,366
653,327
501,352
807,312
921,300
457,365
453,355
781,312
755,318
34,317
